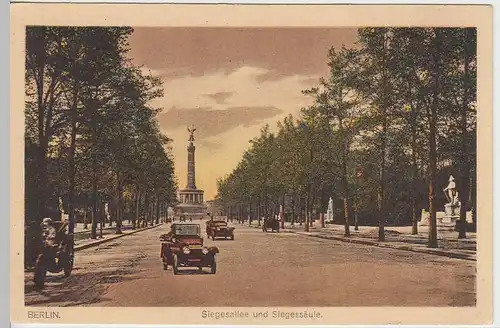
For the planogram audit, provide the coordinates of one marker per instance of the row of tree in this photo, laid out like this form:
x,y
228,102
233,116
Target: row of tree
x,y
91,135
395,117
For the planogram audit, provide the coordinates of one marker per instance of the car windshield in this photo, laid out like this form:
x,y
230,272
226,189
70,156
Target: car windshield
x,y
220,223
187,230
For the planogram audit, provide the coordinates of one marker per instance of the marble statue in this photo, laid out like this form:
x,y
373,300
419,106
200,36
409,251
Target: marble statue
x,y
329,213
452,193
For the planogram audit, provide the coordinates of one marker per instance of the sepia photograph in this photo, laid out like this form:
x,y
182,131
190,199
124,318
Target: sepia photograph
x,y
233,168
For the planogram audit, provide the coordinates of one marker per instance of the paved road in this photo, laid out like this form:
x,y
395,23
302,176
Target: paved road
x,y
258,269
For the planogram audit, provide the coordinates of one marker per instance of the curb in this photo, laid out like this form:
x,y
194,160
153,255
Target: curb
x,y
89,231
102,241
385,245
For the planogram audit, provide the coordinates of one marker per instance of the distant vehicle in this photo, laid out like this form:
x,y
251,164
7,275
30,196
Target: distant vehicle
x,y
271,223
219,228
183,247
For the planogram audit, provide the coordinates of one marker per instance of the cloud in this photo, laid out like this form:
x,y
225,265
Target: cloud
x,y
220,97
210,122
244,87
198,51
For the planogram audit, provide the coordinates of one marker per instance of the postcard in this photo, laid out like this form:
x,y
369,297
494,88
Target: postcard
x,y
251,164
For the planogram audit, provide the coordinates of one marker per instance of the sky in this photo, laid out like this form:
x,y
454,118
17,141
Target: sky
x,y
228,83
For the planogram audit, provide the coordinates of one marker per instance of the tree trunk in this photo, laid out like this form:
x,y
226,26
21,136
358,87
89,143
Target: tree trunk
x,y
152,212
157,211
381,196
259,214
44,123
95,209
85,221
306,225
119,207
345,191
293,210
473,199
101,214
301,206
312,215
146,208
322,218
414,169
465,166
432,142
356,205
136,214
283,211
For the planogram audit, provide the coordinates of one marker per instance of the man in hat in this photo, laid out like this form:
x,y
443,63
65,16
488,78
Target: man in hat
x,y
49,232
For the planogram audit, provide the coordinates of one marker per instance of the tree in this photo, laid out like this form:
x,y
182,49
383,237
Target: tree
x,y
87,107
338,102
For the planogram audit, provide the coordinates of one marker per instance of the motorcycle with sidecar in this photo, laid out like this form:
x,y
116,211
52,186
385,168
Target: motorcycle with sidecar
x,y
57,254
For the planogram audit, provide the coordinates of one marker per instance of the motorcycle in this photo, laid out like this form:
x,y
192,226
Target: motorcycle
x,y
57,255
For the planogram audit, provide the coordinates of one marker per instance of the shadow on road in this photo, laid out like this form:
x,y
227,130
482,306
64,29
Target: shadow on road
x,y
80,288
182,272
83,287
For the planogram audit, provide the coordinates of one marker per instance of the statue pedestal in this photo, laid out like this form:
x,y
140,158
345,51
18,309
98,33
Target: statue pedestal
x,y
446,219
452,210
451,215
329,216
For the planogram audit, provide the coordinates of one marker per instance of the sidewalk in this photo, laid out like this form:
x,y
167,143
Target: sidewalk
x,y
79,227
395,237
82,234
108,234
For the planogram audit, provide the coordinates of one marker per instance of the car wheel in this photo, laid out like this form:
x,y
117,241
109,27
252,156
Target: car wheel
x,y
213,237
68,267
39,278
213,269
174,266
232,237
69,258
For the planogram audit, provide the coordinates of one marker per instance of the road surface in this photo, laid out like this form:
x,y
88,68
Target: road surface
x,y
259,269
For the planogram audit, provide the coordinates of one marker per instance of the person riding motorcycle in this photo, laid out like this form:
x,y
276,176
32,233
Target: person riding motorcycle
x,y
49,232
54,239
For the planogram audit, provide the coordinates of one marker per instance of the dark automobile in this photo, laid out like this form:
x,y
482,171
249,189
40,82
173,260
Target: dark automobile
x,y
57,252
219,228
183,247
271,223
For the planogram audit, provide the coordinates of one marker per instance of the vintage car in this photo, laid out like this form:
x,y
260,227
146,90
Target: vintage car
x,y
57,252
271,223
183,247
219,228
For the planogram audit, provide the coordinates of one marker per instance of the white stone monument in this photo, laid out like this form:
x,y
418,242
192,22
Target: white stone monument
x,y
451,212
329,212
452,208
